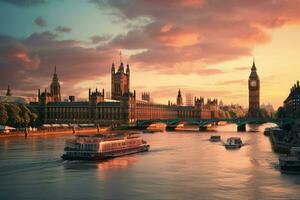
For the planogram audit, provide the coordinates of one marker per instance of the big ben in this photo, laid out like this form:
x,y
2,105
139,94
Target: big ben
x,y
254,89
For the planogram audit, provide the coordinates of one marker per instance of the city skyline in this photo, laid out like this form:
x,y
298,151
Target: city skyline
x,y
165,53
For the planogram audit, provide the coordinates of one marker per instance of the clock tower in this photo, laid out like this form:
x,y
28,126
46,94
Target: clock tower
x,y
254,89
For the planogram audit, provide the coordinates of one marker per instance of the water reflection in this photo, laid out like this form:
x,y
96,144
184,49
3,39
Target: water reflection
x,y
117,163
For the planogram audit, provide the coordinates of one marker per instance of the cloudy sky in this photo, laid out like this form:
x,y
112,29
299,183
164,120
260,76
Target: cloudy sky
x,y
203,47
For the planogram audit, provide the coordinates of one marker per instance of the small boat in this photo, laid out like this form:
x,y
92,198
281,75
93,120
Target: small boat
x,y
100,146
215,138
290,163
233,143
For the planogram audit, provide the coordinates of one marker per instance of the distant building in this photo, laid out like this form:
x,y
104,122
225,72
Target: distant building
x,y
146,96
269,109
221,104
254,90
292,102
9,98
71,98
108,95
122,108
188,99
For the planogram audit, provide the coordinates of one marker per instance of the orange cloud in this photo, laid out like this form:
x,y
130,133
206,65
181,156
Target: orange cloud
x,y
192,3
179,40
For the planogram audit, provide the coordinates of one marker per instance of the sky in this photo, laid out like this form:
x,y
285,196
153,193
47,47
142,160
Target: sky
x,y
203,47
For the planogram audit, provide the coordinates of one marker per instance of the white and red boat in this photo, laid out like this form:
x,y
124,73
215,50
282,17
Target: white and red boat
x,y
99,147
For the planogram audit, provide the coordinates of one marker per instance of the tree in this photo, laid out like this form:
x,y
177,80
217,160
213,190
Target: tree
x,y
25,114
281,113
3,114
13,112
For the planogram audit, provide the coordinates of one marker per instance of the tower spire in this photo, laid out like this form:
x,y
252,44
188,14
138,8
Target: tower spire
x,y
120,56
55,69
253,65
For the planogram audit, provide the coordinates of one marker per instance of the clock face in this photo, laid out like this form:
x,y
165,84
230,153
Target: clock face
x,y
253,83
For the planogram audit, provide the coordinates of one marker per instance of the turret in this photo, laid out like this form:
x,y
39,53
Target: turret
x,y
253,68
179,98
8,92
96,97
55,87
121,68
113,68
127,70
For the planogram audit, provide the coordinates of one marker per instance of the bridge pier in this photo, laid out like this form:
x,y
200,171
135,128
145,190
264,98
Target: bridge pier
x,y
170,128
202,128
241,128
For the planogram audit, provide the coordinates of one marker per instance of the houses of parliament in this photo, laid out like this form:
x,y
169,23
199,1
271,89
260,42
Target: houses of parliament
x,y
124,108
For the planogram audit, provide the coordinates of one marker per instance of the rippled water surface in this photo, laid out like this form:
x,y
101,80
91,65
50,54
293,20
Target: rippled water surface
x,y
180,165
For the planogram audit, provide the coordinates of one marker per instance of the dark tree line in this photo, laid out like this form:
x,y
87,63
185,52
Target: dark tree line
x,y
17,115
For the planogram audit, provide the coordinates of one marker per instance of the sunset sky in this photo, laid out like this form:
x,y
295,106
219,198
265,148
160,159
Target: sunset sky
x,y
204,47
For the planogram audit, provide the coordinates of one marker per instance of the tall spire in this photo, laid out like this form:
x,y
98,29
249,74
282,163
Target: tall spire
x,y
120,56
127,69
8,92
55,77
179,93
253,65
179,98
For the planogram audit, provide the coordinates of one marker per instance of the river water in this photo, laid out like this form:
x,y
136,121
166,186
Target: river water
x,y
180,165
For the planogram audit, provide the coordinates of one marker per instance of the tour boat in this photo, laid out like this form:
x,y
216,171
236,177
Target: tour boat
x,y
99,147
290,163
215,138
233,143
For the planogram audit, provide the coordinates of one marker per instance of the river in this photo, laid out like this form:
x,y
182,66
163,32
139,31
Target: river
x,y
180,165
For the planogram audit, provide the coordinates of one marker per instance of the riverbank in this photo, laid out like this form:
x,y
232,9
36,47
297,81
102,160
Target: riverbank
x,y
48,133
63,132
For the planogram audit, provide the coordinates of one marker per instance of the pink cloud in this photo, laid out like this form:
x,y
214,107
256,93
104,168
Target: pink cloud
x,y
205,31
27,64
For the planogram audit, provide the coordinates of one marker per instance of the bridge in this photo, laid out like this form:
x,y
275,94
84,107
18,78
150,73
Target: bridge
x,y
241,123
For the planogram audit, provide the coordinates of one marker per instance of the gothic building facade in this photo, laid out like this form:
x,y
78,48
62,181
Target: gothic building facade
x,y
292,102
123,108
119,81
254,93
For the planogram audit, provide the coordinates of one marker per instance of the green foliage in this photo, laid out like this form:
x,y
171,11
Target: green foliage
x,y
3,114
16,115
25,114
13,111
